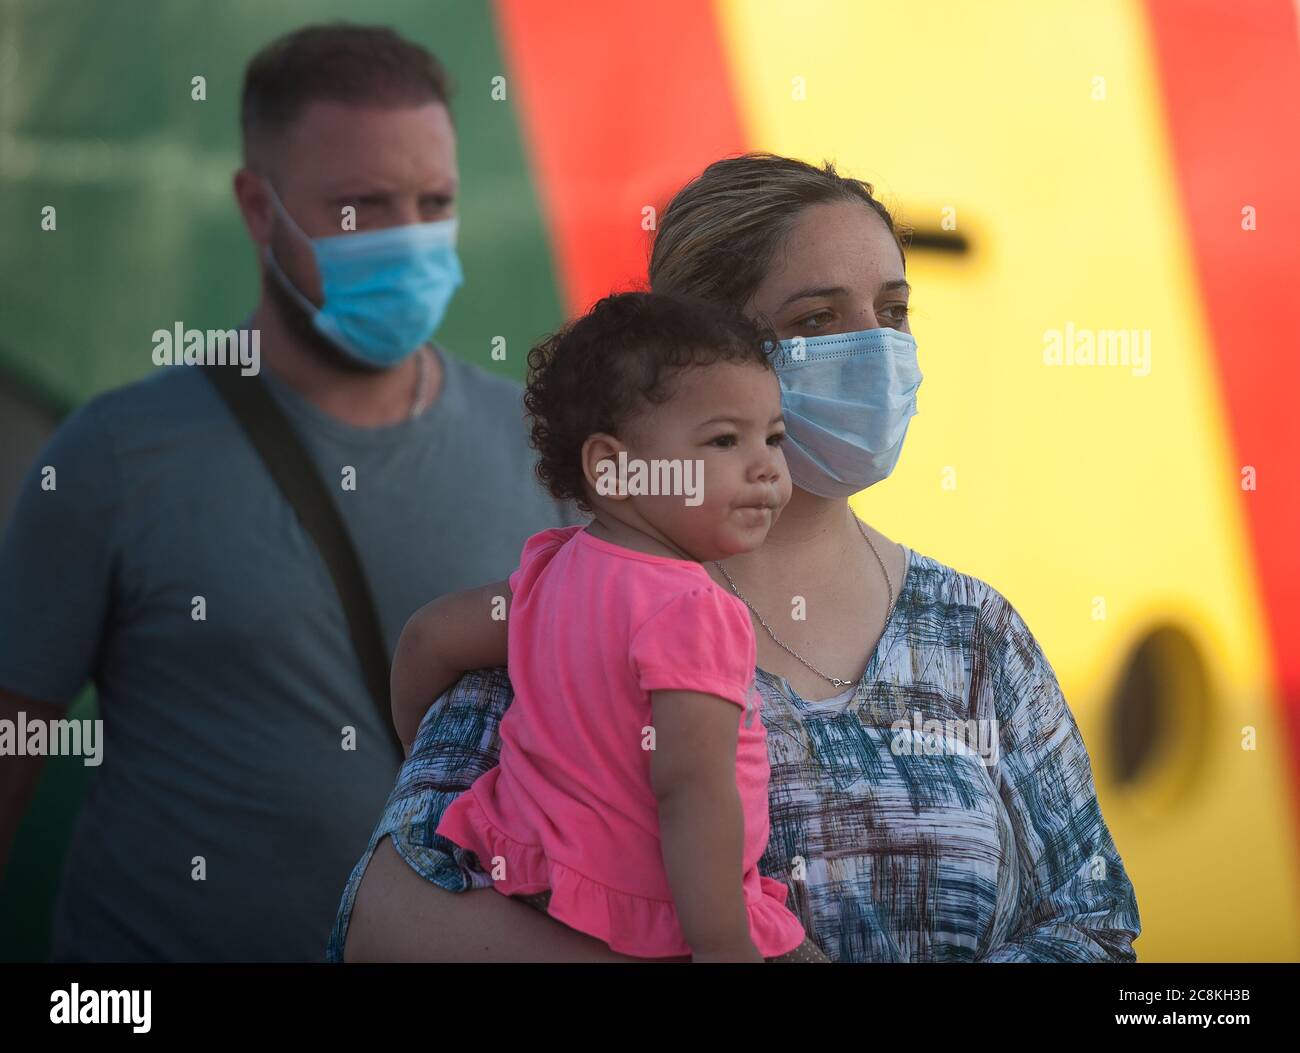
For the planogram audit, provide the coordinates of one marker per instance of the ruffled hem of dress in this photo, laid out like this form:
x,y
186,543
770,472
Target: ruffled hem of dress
x,y
629,924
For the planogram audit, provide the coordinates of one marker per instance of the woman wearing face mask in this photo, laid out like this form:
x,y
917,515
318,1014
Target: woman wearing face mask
x,y
931,798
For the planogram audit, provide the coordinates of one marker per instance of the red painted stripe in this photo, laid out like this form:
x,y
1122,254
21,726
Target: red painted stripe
x,y
621,103
1230,74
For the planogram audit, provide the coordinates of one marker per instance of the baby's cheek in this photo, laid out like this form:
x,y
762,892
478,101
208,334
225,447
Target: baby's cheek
x,y
720,484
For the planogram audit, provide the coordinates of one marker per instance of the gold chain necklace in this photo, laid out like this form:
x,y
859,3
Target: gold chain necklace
x,y
836,681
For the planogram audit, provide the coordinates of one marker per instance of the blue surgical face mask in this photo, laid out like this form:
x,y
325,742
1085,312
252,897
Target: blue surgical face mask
x,y
386,291
848,399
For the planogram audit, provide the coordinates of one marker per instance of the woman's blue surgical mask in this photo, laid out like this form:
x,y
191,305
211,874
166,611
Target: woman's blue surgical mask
x,y
386,291
848,399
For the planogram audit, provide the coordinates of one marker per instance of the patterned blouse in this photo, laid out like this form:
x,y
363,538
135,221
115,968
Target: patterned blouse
x,y
943,810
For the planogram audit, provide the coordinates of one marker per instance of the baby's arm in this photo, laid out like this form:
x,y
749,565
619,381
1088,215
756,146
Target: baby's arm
x,y
443,639
693,772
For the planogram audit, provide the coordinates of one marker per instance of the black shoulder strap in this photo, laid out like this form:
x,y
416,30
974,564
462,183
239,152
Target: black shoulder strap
x,y
292,469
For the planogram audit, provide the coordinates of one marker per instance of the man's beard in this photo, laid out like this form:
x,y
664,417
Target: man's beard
x,y
301,328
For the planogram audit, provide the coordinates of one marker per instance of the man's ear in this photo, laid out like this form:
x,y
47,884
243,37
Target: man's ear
x,y
254,205
600,465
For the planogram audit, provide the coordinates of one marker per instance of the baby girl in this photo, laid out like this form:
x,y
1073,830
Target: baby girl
x,y
630,802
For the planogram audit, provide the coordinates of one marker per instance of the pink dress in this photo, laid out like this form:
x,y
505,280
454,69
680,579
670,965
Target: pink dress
x,y
594,628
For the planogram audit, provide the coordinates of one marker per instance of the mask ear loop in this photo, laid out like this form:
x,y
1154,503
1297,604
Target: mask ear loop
x,y
269,259
279,206
273,265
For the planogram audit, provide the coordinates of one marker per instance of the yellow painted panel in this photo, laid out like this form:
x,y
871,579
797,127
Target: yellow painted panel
x,y
1077,486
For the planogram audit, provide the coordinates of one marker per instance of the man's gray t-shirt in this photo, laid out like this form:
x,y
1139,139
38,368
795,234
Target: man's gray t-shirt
x,y
223,753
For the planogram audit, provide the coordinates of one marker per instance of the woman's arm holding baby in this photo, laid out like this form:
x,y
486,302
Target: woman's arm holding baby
x,y
442,640
402,917
415,899
701,823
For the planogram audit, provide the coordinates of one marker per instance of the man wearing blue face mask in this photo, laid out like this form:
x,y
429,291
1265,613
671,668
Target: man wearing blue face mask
x,y
244,757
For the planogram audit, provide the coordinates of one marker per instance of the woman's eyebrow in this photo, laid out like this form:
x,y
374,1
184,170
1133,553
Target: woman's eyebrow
x,y
808,294
839,290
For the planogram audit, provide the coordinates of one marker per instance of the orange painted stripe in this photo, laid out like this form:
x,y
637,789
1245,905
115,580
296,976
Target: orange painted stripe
x,y
621,104
1230,77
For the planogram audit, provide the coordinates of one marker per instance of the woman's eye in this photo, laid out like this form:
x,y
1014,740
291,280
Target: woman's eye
x,y
723,440
897,313
776,439
808,322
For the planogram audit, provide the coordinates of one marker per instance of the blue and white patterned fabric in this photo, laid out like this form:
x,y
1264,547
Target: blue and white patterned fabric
x,y
943,810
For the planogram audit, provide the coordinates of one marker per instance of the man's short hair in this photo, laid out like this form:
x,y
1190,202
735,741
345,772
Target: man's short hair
x,y
338,62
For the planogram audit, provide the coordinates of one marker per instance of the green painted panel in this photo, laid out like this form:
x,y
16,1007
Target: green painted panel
x,y
96,118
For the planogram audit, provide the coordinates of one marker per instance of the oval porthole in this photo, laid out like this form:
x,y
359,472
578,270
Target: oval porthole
x,y
1158,720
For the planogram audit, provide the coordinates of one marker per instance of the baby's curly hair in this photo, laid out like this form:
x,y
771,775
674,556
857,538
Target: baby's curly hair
x,y
608,367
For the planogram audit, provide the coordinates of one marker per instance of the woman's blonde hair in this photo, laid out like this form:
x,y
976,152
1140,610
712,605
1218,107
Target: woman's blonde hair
x,y
717,236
